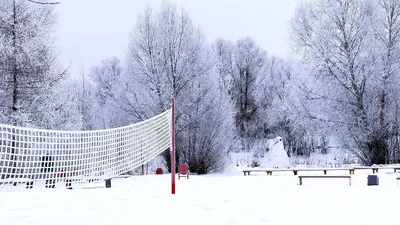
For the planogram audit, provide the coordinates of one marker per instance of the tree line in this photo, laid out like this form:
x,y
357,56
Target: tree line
x,y
341,86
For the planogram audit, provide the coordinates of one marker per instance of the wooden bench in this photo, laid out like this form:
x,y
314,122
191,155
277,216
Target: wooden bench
x,y
395,168
325,176
374,169
268,171
249,171
325,170
296,170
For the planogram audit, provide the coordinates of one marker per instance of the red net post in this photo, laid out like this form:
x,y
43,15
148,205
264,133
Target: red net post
x,y
173,147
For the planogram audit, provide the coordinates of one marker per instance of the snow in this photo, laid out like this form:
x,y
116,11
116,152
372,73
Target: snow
x,y
276,156
213,199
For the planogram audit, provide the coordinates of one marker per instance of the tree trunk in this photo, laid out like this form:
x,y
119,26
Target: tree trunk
x,y
15,107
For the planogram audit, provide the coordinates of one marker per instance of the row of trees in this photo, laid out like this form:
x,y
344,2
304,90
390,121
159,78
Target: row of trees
x,y
230,96
351,54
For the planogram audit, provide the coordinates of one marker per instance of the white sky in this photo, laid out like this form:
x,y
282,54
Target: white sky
x,y
91,30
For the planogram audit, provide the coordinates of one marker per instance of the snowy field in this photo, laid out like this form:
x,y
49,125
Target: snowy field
x,y
213,199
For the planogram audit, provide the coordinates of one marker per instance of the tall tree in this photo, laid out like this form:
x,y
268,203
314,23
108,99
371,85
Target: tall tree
x,y
27,66
337,40
108,109
387,33
28,60
168,56
242,66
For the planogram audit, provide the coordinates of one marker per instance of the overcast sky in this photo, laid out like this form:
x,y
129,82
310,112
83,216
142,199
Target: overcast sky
x,y
92,30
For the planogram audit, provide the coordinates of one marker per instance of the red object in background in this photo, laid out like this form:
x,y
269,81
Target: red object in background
x,y
159,171
63,174
183,171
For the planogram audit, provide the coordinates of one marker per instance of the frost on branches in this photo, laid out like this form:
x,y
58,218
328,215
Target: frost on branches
x,y
168,57
350,50
27,63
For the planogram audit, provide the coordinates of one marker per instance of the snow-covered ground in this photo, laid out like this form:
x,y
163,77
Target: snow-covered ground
x,y
213,199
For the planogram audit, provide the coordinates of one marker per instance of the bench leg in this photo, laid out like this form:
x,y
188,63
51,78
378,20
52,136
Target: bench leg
x,y
244,173
350,181
324,172
295,172
300,180
351,171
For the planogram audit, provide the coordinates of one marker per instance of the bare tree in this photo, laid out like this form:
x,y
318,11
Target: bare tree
x,y
351,73
28,65
164,53
28,61
387,32
168,56
108,108
241,68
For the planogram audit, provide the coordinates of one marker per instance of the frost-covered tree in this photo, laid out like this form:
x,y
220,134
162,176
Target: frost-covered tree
x,y
108,110
62,110
168,57
165,54
86,100
28,65
249,66
279,101
387,33
241,67
349,48
209,125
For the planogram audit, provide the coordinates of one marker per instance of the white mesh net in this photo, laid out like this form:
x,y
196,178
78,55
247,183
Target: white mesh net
x,y
32,159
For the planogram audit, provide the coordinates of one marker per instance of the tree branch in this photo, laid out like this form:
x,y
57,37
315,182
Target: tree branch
x,y
44,3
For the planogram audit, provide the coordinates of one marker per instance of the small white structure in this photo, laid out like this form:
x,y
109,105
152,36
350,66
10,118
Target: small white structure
x,y
276,157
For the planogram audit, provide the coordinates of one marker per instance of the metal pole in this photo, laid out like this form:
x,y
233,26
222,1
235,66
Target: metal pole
x,y
173,147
